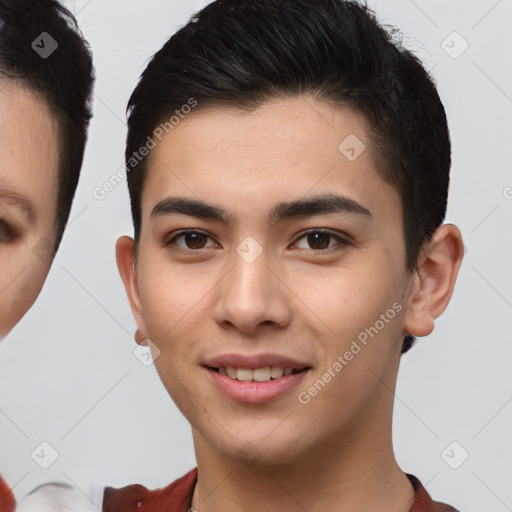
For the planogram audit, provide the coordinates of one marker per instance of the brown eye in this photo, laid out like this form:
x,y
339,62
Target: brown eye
x,y
6,232
320,240
193,240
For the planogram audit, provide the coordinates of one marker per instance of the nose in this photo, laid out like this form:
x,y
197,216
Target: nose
x,y
253,294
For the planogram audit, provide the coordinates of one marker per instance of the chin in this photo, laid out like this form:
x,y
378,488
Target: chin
x,y
258,452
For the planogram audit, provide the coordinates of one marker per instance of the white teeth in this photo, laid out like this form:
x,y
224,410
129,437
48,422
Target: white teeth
x,y
263,374
276,372
243,374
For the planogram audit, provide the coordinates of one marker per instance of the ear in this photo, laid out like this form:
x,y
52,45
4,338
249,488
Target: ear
x,y
126,265
433,281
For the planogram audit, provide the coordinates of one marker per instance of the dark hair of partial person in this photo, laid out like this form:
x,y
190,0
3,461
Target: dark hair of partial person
x,y
64,81
242,53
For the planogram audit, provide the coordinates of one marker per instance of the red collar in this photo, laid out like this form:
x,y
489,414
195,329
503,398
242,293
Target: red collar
x,y
177,496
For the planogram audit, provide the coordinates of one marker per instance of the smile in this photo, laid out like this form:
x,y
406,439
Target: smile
x,y
263,374
258,385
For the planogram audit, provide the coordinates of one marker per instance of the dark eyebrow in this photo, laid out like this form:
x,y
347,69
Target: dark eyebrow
x,y
311,206
322,204
19,201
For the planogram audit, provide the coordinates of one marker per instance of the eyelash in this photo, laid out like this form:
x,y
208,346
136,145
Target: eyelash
x,y
342,241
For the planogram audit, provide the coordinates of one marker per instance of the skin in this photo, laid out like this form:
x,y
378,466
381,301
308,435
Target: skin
x,y
28,181
197,298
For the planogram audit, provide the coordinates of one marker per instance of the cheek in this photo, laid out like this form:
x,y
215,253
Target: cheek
x,y
363,311
347,300
172,299
21,292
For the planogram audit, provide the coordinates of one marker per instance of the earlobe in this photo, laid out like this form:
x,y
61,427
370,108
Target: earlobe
x,y
433,281
126,267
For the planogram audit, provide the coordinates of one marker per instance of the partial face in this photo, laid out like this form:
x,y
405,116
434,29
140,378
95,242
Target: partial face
x,y
265,244
28,191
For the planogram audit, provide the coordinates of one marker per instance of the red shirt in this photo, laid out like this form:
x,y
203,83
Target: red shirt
x,y
6,497
177,497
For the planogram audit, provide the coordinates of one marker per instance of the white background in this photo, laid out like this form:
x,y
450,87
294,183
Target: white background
x,y
68,375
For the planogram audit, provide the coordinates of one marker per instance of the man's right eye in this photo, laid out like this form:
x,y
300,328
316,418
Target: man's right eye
x,y
7,234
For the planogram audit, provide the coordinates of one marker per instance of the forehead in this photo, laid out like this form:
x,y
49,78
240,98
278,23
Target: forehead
x,y
286,148
29,151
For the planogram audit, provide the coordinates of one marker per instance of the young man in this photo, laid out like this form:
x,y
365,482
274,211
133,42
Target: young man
x,y
288,248
46,79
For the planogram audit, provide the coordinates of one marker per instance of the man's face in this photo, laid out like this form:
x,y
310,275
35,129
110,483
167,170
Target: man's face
x,y
28,191
303,287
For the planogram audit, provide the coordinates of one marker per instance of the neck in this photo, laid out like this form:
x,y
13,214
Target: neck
x,y
355,470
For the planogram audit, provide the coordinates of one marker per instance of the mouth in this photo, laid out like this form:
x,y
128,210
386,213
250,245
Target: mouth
x,y
263,374
257,385
256,378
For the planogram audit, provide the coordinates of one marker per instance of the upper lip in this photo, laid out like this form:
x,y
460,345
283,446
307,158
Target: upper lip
x,y
255,361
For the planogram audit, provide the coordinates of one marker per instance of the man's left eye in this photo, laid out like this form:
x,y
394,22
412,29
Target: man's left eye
x,y
320,240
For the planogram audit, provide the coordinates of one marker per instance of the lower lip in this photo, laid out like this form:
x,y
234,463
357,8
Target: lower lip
x,y
253,392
